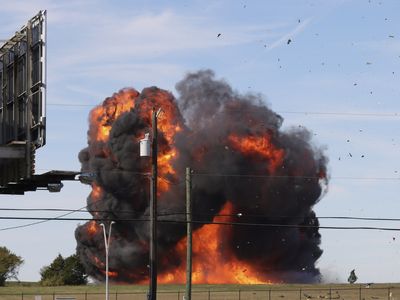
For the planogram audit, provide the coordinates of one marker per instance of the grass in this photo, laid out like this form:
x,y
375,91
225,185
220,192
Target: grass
x,y
220,291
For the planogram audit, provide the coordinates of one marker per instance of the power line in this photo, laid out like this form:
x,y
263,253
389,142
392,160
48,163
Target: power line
x,y
293,176
210,223
243,175
239,215
40,222
355,114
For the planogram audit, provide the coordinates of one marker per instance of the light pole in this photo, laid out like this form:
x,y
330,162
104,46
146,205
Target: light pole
x,y
107,245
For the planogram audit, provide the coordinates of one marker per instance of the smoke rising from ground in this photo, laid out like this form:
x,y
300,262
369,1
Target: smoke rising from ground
x,y
239,154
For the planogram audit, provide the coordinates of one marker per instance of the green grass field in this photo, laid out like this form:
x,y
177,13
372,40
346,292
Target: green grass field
x,y
28,291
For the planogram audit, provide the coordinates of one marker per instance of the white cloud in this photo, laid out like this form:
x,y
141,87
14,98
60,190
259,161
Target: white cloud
x,y
156,34
136,73
290,35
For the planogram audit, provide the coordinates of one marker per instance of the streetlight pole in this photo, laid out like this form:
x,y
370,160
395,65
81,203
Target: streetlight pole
x,y
107,245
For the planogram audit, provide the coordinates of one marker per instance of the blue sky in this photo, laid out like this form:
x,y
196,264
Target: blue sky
x,y
343,62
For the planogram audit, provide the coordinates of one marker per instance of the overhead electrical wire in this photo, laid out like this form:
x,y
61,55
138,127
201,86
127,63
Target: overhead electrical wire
x,y
270,225
293,176
355,114
239,215
379,178
40,222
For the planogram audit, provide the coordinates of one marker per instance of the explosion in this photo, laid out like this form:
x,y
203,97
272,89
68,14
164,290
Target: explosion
x,y
246,169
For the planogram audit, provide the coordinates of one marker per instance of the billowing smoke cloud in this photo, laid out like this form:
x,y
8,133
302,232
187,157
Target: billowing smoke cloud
x,y
245,166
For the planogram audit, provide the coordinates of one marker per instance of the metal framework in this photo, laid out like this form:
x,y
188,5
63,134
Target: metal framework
x,y
22,100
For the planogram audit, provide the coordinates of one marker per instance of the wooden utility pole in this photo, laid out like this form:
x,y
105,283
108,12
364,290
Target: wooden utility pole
x,y
153,211
188,294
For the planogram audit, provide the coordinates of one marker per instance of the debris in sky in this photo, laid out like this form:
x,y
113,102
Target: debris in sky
x,y
394,238
353,277
348,141
369,63
391,36
219,34
298,20
350,154
265,46
289,41
355,84
244,6
362,156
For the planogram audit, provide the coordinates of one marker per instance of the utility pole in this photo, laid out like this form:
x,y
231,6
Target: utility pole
x,y
188,294
153,210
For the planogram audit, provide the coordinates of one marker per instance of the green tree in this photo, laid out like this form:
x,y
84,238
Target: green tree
x,y
75,273
52,275
9,265
68,271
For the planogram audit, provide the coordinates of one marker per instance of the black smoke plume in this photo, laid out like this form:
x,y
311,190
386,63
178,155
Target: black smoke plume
x,y
273,188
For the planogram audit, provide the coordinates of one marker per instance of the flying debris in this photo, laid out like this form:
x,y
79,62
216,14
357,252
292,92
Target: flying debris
x,y
218,35
352,277
218,133
289,41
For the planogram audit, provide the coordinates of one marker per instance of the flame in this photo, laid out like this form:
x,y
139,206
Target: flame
x,y
93,228
212,263
112,274
98,262
262,146
217,258
102,116
168,126
100,265
97,192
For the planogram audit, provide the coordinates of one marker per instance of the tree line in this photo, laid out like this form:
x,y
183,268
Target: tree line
x,y
62,271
